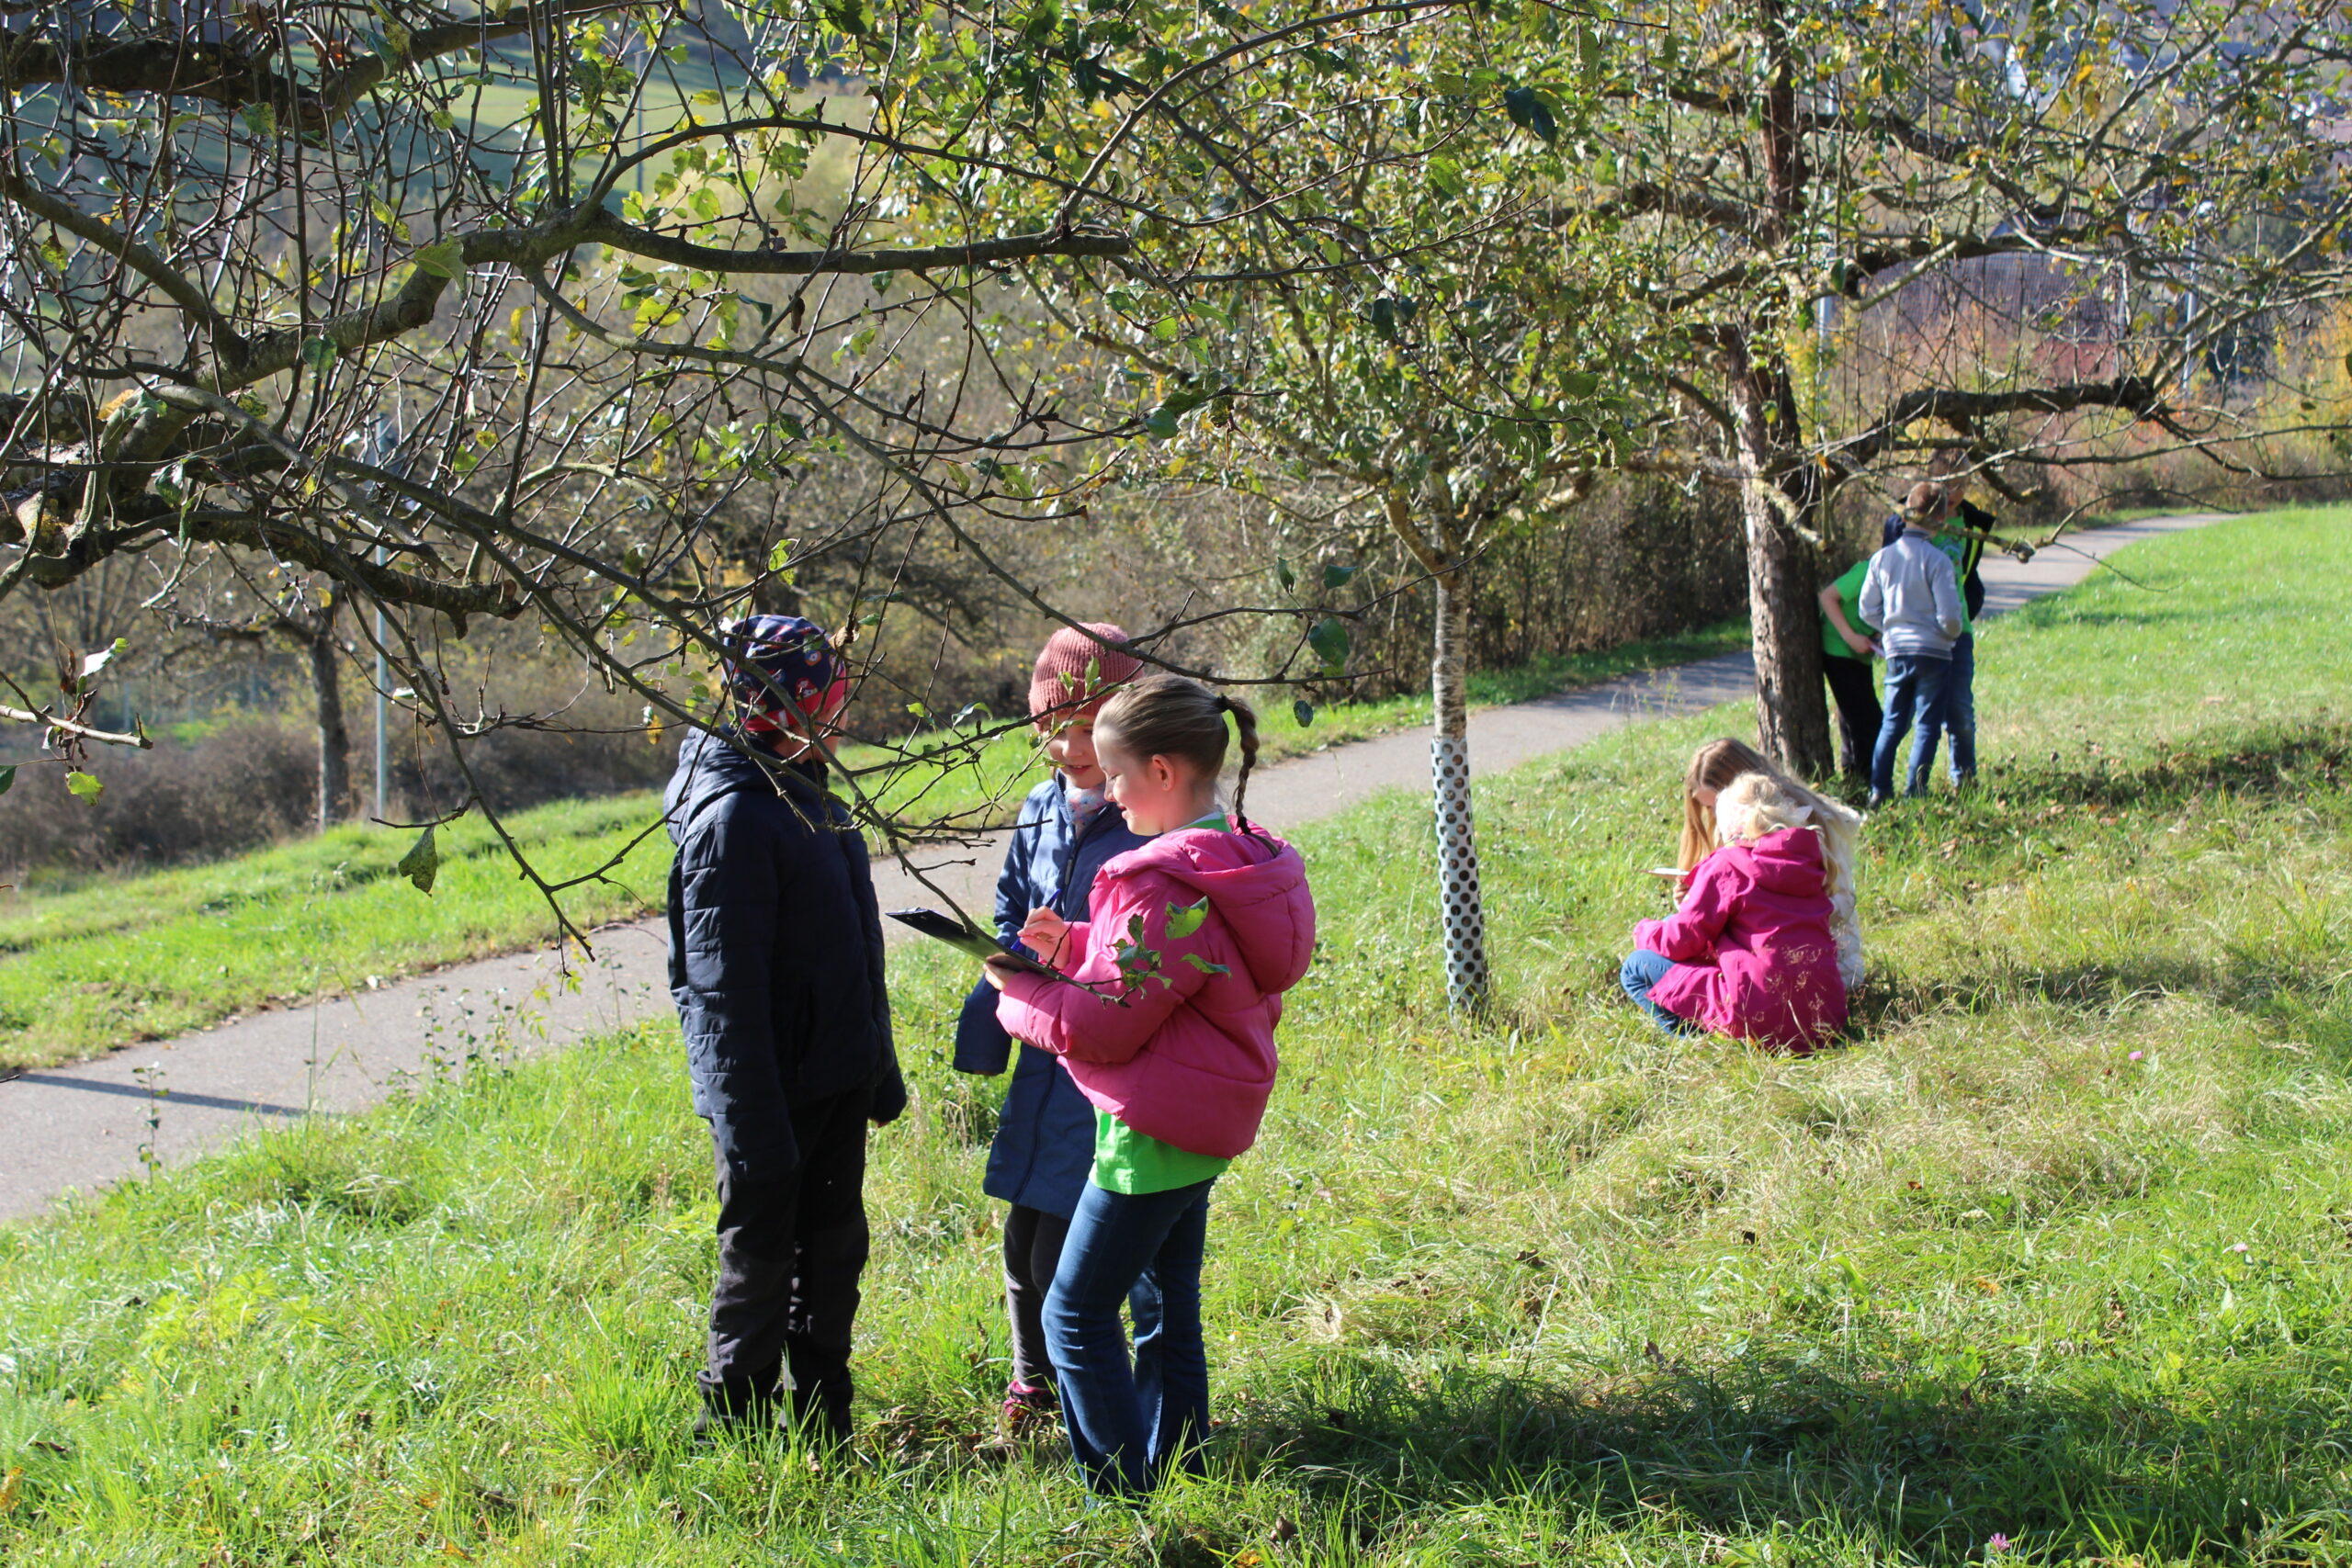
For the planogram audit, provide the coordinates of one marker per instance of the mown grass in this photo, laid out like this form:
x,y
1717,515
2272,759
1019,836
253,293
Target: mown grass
x,y
2050,1263
89,966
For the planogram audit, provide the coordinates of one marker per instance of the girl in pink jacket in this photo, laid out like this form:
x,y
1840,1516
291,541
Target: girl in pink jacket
x,y
1749,952
1168,1030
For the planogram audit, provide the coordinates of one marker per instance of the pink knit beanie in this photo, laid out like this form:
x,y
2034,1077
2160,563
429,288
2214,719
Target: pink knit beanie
x,y
1059,685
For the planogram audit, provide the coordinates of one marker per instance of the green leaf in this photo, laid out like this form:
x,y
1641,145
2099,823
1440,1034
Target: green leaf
x,y
1445,177
1203,964
8,777
422,862
87,785
318,352
1336,576
443,258
261,119
1588,54
1161,421
849,16
1302,711
1328,639
1183,919
1531,114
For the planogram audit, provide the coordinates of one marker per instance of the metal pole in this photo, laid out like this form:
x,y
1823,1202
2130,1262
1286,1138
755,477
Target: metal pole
x,y
1457,877
383,749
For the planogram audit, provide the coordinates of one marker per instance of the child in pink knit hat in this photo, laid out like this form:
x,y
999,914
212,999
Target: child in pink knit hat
x,y
1043,1147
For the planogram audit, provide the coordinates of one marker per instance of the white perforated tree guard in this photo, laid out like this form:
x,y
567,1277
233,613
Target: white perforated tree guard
x,y
1457,873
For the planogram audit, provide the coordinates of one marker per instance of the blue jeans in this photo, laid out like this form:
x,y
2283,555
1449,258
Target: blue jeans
x,y
1643,970
1129,1424
1914,694
1960,709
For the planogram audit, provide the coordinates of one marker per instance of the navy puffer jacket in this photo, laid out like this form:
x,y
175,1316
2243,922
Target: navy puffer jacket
x,y
776,951
1044,1136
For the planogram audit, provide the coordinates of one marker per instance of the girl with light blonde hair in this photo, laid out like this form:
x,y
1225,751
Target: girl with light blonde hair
x,y
1714,769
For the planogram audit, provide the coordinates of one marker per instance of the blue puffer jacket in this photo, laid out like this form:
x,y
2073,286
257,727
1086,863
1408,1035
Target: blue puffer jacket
x,y
1044,1136
776,951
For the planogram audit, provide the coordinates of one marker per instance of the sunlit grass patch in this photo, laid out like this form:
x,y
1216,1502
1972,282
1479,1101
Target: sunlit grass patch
x,y
2051,1261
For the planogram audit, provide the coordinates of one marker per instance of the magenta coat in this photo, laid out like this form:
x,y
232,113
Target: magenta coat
x,y
1753,957
1186,1055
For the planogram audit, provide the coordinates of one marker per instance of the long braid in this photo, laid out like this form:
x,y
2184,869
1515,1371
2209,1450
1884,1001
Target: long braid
x,y
1244,721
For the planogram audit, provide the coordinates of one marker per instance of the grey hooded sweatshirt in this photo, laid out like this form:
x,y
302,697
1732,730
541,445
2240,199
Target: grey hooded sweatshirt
x,y
1911,596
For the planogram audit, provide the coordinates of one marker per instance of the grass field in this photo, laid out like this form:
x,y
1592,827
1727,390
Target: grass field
x,y
89,967
2052,1264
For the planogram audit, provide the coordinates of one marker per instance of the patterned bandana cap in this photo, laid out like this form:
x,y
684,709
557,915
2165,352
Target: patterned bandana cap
x,y
794,657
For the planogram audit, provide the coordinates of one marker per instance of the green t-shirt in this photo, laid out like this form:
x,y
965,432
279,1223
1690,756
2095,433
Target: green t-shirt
x,y
1135,1163
1850,597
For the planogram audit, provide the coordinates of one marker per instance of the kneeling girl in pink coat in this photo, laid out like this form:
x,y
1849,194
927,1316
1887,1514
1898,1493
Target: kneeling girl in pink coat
x,y
1168,1030
1749,952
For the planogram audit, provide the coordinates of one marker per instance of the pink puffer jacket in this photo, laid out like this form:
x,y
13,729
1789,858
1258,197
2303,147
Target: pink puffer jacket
x,y
1753,957
1189,1061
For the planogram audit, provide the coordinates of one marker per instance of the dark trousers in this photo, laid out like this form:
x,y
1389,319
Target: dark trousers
x,y
1915,695
791,1245
1960,709
1033,1251
1854,688
1131,1422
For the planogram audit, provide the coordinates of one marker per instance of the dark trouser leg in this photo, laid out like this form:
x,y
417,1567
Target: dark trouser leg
x,y
1928,715
1172,1358
1114,1239
833,1244
1960,709
1032,1250
1914,694
1858,716
791,1246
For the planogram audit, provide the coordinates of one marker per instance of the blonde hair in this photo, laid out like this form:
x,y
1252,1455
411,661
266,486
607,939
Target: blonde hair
x,y
1754,804
1717,766
1168,716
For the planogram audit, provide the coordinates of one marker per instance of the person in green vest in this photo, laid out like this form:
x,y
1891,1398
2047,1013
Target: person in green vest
x,y
1848,646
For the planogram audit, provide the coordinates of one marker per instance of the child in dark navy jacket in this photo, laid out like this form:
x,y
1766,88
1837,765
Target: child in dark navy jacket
x,y
776,963
1045,1137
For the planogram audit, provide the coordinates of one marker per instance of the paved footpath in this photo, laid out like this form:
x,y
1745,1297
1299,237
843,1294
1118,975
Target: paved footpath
x,y
82,1126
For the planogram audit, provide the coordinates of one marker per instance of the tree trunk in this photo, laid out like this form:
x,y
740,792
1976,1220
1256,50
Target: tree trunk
x,y
1784,572
334,738
1457,849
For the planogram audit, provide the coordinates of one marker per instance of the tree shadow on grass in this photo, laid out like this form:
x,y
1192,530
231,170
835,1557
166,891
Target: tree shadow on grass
x,y
2251,985
2272,763
2244,1472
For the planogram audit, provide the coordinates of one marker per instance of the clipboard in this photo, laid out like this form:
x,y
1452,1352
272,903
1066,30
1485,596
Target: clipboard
x,y
964,940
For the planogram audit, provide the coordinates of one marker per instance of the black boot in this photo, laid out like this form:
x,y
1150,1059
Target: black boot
x,y
732,1406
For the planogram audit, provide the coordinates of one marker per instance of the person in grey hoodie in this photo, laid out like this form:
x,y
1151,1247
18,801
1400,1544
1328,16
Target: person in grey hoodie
x,y
1912,594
